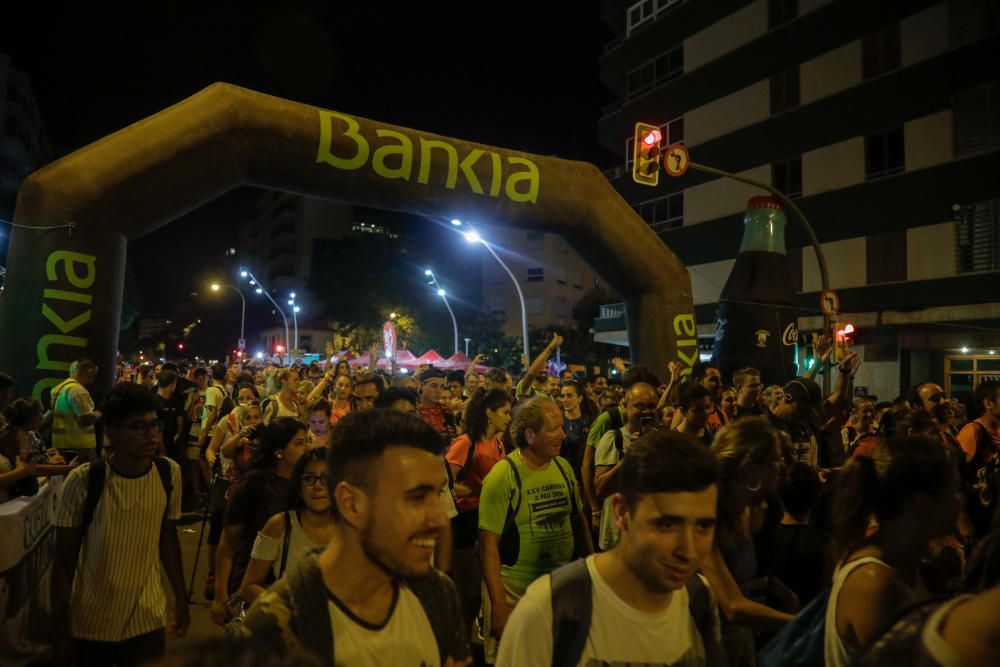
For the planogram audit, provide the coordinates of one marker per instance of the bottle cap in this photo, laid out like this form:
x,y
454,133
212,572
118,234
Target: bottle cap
x,y
765,201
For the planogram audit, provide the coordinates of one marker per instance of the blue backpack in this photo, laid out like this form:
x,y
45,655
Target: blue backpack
x,y
800,642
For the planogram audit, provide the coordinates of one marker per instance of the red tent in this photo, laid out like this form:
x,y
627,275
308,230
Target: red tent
x,y
403,358
430,357
459,361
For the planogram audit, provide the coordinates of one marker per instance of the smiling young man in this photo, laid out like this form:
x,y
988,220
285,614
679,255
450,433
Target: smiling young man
x,y
641,603
372,597
115,525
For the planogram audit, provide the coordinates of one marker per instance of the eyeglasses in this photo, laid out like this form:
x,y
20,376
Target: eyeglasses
x,y
312,480
144,427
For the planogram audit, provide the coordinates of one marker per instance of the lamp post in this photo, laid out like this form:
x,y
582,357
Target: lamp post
x,y
472,236
444,297
295,319
243,316
246,273
467,341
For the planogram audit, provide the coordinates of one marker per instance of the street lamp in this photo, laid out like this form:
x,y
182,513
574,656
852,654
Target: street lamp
x,y
246,273
243,316
467,341
444,297
472,236
295,319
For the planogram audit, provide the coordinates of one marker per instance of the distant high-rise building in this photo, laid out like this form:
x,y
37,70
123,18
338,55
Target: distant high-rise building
x,y
24,145
882,121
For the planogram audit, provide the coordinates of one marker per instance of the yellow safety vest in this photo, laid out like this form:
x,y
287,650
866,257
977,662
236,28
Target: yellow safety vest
x,y
67,433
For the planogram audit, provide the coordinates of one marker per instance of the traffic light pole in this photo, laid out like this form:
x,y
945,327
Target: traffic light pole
x,y
810,232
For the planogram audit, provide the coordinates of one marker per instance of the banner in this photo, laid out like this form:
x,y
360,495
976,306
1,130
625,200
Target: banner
x,y
26,553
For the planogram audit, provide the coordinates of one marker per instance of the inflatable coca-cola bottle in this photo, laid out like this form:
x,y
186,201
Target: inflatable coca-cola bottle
x,y
758,307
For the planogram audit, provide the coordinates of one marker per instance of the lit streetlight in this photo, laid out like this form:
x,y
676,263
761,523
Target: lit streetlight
x,y
472,236
444,297
243,316
295,319
246,273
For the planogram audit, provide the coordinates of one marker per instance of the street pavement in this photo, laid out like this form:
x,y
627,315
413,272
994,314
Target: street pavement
x,y
201,627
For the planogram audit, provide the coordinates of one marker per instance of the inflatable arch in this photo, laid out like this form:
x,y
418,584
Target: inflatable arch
x,y
64,284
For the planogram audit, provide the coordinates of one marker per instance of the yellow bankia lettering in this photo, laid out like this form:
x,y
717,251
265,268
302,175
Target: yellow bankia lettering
x,y
404,149
531,176
325,153
426,145
71,259
47,341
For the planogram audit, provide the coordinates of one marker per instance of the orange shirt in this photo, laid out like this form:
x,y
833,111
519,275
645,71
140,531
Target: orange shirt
x,y
486,455
970,435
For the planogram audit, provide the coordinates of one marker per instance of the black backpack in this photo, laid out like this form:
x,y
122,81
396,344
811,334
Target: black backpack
x,y
97,475
572,608
227,405
509,545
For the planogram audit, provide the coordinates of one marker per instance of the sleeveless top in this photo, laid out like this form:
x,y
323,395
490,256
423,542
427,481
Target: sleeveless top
x,y
915,639
836,653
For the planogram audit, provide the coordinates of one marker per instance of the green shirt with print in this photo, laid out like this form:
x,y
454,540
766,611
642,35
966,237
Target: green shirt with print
x,y
543,523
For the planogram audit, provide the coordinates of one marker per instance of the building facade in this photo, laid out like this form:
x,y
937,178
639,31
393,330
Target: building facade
x,y
882,121
551,274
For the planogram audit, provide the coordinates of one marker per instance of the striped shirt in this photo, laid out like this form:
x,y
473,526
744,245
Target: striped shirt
x,y
117,590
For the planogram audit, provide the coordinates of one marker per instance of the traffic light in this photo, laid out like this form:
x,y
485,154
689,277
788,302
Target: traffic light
x,y
180,346
279,349
843,342
646,154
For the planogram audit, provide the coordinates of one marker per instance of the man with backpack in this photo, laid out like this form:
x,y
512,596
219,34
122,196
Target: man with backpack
x,y
530,520
640,411
218,404
115,525
642,602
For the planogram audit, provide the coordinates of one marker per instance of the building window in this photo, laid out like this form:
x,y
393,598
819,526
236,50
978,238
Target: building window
x,y
786,176
780,12
971,20
533,304
665,67
976,119
536,274
663,213
785,91
886,257
561,307
977,237
884,154
534,240
497,304
561,274
672,131
578,279
880,52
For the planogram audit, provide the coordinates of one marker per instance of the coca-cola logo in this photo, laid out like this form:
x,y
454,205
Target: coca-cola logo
x,y
791,335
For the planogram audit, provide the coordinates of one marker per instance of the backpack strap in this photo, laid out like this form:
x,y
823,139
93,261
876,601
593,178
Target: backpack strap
x,y
439,600
615,415
285,541
96,476
569,485
572,609
702,610
619,443
516,492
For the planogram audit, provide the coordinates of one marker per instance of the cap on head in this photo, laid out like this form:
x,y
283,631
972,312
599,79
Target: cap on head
x,y
432,374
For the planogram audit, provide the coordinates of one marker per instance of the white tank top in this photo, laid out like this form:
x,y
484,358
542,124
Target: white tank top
x,y
835,652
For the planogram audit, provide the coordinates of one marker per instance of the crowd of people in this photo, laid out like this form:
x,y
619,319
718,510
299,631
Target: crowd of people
x,y
359,517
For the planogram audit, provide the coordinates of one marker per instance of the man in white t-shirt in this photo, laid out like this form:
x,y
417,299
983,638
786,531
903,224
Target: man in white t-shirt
x,y
642,602
108,602
371,597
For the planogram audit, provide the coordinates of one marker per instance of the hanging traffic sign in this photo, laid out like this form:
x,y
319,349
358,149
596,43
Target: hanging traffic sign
x,y
829,303
676,160
241,344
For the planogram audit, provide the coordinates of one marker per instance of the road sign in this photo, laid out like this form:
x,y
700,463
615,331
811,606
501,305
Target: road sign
x,y
829,303
241,344
676,160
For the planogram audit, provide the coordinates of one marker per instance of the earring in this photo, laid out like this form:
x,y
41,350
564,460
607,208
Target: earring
x,y
754,489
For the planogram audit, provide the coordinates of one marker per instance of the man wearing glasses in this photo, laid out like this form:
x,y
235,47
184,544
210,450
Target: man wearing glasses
x,y
748,387
115,524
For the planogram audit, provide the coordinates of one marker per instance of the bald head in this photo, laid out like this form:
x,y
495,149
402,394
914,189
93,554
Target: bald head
x,y
640,403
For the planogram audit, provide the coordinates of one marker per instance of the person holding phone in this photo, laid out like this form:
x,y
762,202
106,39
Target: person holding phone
x,y
640,414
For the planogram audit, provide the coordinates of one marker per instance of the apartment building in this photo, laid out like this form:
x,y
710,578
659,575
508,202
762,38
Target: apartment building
x,y
881,119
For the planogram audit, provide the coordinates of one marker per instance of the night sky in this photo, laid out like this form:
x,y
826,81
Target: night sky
x,y
525,77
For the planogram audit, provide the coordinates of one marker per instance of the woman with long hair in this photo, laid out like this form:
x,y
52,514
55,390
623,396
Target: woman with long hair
x,y
750,465
342,403
285,403
579,412
263,493
22,452
887,509
287,536
471,457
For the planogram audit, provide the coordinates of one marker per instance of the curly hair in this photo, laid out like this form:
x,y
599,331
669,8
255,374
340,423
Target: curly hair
x,y
529,414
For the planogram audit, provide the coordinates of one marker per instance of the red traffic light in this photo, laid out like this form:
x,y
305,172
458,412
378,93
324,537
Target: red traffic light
x,y
652,138
846,331
279,348
180,346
